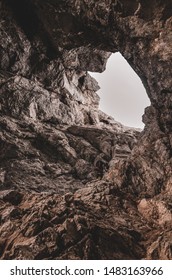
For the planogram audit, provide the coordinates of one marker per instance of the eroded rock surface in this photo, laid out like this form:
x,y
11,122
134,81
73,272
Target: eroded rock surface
x,y
74,183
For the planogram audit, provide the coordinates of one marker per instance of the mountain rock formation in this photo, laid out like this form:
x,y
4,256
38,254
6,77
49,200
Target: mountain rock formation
x,y
75,184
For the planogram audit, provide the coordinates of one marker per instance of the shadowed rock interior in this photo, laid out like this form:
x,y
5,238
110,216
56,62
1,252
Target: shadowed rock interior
x,y
74,183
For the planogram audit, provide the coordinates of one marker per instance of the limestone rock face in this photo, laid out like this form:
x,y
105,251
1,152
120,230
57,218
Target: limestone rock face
x,y
74,183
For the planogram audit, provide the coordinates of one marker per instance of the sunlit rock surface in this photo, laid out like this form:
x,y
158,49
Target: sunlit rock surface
x,y
75,184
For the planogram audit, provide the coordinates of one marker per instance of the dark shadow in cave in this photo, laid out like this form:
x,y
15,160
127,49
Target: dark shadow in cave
x,y
27,19
25,16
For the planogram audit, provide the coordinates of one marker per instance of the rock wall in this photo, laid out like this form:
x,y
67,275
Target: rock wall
x,y
74,183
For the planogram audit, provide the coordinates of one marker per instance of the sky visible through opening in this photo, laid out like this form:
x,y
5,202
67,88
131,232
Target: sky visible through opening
x,y
122,94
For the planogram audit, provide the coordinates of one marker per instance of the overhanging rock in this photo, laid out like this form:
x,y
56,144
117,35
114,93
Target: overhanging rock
x,y
88,187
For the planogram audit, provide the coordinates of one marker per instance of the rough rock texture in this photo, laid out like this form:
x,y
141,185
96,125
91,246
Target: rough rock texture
x,y
75,184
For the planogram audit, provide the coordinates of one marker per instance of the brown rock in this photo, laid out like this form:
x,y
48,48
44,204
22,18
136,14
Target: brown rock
x,y
55,141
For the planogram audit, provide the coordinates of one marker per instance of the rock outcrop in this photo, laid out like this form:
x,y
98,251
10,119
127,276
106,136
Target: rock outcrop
x,y
74,183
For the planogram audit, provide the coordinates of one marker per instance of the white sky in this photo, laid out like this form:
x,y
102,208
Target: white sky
x,y
122,94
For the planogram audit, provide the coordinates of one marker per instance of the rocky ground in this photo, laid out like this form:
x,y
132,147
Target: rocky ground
x,y
74,183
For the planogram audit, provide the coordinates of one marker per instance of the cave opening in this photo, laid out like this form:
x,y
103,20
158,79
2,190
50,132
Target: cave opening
x,y
122,94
